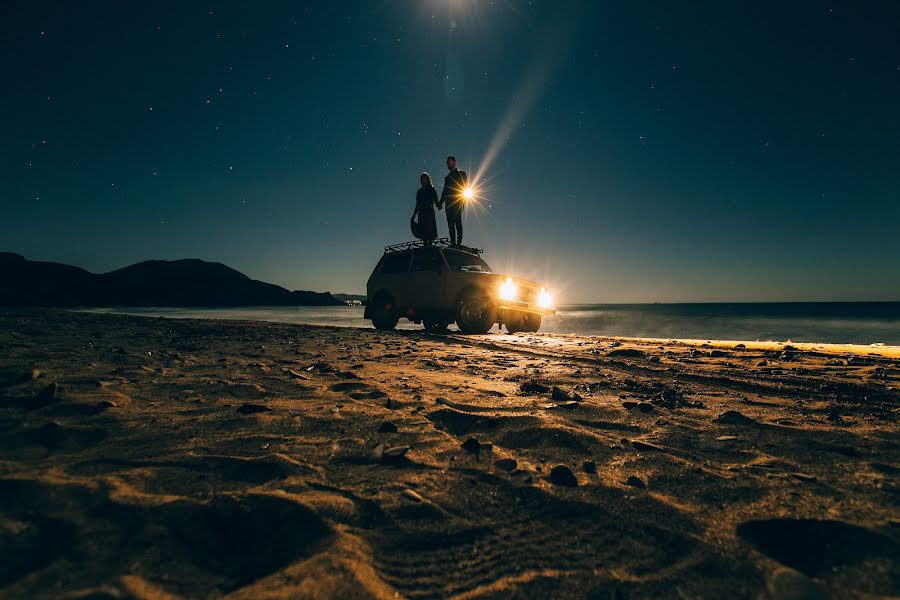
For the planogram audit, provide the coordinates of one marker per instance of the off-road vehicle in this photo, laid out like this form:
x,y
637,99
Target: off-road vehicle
x,y
438,283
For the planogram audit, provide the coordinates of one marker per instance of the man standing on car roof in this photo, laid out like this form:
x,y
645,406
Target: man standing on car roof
x,y
453,199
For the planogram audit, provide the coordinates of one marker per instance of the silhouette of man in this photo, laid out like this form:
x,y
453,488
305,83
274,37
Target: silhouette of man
x,y
452,199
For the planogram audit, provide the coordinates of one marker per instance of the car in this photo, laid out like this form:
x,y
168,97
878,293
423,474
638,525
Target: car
x,y
438,284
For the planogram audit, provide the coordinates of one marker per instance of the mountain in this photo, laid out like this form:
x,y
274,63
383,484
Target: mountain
x,y
186,282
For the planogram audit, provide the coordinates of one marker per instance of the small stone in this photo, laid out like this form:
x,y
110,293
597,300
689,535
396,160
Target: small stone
x,y
387,427
507,465
726,438
645,407
654,359
563,475
805,477
717,353
249,409
635,481
762,363
471,445
589,466
628,404
412,495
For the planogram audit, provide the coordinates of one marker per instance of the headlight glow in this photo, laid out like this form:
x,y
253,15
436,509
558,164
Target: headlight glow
x,y
508,290
545,299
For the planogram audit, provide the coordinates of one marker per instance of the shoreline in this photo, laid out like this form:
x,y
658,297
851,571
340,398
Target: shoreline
x,y
874,349
142,456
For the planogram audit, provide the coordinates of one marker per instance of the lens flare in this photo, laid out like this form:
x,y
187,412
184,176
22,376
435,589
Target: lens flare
x,y
468,194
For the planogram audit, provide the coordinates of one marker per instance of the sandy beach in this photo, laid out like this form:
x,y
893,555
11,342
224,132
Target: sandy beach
x,y
161,458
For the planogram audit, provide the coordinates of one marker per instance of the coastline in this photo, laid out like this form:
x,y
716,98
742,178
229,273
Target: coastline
x,y
145,456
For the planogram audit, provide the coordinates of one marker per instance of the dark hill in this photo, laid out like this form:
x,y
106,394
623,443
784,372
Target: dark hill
x,y
188,282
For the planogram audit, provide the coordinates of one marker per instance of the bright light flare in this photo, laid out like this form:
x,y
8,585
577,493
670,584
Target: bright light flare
x,y
545,298
468,194
508,290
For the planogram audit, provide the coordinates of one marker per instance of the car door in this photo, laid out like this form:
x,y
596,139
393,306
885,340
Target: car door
x,y
393,276
426,278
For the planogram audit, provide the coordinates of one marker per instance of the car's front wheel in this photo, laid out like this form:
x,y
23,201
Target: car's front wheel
x,y
475,313
529,323
383,316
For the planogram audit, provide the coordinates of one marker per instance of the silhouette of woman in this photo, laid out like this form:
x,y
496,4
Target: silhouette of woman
x,y
425,228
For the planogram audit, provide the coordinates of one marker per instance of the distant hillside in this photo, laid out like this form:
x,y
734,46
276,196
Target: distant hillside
x,y
187,282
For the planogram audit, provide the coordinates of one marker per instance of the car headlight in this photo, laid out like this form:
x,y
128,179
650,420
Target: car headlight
x,y
545,299
508,290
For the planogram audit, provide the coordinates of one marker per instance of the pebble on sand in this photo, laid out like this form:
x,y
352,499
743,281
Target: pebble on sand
x,y
589,466
471,445
387,427
563,475
635,481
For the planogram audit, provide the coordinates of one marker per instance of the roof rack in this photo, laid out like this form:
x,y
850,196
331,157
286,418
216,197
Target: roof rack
x,y
439,243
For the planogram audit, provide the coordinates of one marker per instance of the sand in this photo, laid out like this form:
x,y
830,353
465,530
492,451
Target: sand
x,y
156,458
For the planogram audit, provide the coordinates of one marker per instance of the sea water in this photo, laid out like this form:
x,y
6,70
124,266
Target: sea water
x,y
828,322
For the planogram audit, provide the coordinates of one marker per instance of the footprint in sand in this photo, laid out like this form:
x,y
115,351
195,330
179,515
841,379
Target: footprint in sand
x,y
860,558
223,544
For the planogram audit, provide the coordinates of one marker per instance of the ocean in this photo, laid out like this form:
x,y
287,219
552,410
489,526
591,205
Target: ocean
x,y
829,322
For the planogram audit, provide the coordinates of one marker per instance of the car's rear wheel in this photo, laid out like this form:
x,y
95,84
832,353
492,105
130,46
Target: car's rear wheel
x,y
475,313
383,316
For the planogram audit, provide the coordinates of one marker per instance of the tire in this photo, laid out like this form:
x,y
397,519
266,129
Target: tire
x,y
383,317
475,313
531,323
434,326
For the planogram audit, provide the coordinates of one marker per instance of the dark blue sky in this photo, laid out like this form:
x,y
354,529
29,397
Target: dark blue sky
x,y
654,151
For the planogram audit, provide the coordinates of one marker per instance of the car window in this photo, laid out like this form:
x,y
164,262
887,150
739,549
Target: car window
x,y
463,261
395,263
426,259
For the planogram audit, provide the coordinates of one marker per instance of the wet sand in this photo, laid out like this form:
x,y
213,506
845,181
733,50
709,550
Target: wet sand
x,y
159,458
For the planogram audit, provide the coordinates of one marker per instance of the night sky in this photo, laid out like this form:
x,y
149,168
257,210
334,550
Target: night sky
x,y
639,152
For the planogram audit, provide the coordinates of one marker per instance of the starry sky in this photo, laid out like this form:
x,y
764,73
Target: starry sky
x,y
626,152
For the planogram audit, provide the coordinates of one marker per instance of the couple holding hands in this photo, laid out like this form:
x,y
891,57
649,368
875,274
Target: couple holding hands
x,y
453,201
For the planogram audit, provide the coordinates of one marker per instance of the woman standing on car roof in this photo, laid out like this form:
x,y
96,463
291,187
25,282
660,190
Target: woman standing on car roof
x,y
426,199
